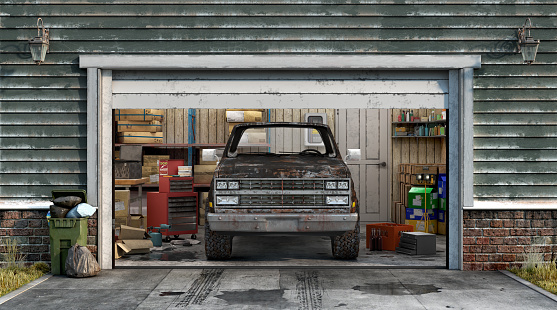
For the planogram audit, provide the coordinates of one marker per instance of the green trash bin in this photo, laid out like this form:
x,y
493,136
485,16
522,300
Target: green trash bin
x,y
64,233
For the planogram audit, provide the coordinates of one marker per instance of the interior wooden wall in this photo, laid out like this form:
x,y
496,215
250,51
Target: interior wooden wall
x,y
414,150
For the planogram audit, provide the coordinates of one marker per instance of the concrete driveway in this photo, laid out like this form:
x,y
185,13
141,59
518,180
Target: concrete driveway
x,y
282,289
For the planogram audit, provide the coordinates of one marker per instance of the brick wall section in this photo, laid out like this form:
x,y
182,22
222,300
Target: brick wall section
x,y
495,240
30,230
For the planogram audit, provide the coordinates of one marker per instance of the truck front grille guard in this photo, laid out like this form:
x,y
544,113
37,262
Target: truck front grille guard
x,y
283,193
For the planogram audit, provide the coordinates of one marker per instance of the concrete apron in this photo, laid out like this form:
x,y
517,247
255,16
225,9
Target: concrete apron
x,y
282,289
278,251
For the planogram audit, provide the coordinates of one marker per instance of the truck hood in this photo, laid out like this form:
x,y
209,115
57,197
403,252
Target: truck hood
x,y
284,166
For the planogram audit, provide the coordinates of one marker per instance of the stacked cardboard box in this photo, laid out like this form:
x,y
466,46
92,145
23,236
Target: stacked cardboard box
x,y
254,136
151,167
132,240
139,125
203,174
407,179
442,192
121,207
420,200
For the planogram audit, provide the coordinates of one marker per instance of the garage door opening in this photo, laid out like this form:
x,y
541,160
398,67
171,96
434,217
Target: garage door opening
x,y
391,147
109,78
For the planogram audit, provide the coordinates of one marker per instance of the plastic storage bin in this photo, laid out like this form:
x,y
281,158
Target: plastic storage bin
x,y
64,233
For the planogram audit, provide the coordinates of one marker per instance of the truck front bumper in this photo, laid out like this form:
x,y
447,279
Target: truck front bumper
x,y
282,223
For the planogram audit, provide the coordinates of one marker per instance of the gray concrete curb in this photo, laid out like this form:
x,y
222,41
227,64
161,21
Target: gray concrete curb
x,y
530,285
24,288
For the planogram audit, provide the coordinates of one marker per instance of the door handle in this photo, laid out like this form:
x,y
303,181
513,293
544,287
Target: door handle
x,y
383,164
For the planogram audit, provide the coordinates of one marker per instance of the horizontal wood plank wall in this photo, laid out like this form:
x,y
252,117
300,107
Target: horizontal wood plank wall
x,y
414,150
43,108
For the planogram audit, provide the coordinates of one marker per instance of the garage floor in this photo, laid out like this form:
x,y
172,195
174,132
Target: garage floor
x,y
277,251
274,251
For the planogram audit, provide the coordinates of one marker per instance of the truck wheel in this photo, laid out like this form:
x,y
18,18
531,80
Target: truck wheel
x,y
217,246
347,245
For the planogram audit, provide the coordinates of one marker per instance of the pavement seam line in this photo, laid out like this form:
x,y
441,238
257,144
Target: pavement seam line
x,y
139,304
24,288
409,291
529,284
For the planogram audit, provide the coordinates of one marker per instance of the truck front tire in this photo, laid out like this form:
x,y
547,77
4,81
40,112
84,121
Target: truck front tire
x,y
347,245
217,245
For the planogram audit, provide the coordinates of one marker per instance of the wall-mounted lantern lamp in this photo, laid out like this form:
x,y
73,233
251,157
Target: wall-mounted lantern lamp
x,y
526,43
39,44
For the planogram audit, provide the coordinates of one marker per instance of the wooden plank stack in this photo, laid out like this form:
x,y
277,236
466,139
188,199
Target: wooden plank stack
x,y
139,125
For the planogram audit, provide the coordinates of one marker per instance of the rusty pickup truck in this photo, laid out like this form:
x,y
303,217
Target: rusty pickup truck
x,y
275,190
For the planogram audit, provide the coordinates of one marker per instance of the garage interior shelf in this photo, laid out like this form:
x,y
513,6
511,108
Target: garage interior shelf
x,y
410,127
199,145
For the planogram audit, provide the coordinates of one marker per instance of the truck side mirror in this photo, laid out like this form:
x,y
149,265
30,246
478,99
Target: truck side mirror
x,y
209,155
353,155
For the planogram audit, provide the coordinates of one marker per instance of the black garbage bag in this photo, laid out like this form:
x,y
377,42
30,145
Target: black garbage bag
x,y
80,263
67,201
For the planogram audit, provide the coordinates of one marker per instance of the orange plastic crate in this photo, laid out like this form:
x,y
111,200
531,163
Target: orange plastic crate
x,y
392,238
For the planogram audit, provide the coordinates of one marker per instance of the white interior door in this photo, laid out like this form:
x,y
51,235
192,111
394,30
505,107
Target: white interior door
x,y
367,130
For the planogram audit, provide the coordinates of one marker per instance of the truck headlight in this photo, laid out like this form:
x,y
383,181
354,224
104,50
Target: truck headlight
x,y
331,185
343,185
337,200
221,185
233,185
227,200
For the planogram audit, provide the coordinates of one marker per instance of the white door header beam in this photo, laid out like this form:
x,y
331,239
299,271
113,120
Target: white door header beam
x,y
282,62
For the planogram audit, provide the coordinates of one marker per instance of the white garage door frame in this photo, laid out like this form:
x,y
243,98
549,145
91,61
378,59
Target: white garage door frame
x,y
459,104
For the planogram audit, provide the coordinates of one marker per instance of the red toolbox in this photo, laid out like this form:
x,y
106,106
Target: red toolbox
x,y
177,209
169,184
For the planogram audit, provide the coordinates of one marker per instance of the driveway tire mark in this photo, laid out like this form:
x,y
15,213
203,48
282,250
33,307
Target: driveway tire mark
x,y
207,282
309,292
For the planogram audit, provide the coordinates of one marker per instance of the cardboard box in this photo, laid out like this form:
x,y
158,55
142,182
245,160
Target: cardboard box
x,y
442,204
123,247
401,213
441,169
149,170
153,160
140,137
121,203
163,167
138,221
139,115
420,225
442,186
244,116
203,173
417,197
418,214
430,169
133,126
119,221
441,216
128,232
441,228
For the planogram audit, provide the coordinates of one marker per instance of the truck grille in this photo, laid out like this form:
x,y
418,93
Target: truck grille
x,y
281,193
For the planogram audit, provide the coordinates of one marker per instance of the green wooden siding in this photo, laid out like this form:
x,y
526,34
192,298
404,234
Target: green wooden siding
x,y
43,108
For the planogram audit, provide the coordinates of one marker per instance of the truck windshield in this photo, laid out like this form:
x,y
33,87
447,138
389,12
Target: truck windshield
x,y
277,141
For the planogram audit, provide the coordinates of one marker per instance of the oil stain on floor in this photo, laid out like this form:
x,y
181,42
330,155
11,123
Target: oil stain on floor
x,y
397,289
262,299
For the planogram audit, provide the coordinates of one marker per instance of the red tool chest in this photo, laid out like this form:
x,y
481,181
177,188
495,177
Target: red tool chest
x,y
175,184
178,209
